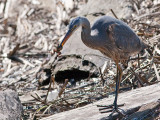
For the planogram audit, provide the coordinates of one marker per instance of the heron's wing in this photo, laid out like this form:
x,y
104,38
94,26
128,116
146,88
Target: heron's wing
x,y
123,37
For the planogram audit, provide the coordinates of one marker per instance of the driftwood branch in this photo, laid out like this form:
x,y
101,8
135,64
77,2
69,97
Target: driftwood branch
x,y
142,100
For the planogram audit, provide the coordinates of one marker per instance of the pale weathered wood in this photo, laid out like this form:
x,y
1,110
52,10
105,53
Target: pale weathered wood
x,y
132,99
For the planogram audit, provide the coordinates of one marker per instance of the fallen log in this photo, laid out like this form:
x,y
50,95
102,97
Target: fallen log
x,y
134,100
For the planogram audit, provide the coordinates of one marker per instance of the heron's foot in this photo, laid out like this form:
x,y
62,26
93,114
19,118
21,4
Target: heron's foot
x,y
114,108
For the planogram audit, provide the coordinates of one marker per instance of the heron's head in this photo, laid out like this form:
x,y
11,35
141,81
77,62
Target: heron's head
x,y
73,26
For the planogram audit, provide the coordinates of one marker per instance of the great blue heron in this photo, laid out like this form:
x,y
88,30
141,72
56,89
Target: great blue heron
x,y
110,36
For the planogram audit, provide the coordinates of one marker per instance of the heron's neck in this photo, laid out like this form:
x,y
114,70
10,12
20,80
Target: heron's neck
x,y
86,34
85,25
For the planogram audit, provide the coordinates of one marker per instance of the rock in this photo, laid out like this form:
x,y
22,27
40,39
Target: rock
x,y
10,106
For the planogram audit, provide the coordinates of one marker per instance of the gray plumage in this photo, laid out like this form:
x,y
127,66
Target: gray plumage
x,y
112,37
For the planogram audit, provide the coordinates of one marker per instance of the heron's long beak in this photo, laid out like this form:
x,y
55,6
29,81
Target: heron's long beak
x,y
68,34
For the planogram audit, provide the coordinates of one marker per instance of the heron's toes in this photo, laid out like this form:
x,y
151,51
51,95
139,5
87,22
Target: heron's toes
x,y
111,108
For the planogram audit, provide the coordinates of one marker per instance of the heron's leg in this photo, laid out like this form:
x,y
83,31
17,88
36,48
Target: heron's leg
x,y
114,106
117,90
118,81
